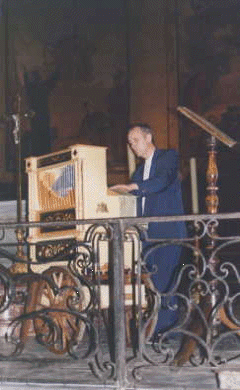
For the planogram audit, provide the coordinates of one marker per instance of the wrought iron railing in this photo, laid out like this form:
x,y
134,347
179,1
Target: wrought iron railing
x,y
94,299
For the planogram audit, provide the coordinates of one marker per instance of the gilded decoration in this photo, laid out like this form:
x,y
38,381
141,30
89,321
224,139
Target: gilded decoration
x,y
102,208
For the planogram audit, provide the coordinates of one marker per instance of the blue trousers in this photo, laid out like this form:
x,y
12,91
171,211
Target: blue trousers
x,y
163,262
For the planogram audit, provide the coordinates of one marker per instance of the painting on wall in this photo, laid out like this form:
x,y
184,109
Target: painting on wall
x,y
211,89
89,101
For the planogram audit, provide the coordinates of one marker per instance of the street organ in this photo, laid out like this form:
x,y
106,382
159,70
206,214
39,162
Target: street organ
x,y
71,185
68,185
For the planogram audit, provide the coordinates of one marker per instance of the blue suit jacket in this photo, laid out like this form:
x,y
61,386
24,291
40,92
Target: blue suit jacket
x,y
163,194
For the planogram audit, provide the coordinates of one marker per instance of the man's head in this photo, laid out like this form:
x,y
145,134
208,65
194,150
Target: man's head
x,y
140,138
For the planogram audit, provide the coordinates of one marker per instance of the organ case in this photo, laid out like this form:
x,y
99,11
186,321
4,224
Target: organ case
x,y
72,184
67,185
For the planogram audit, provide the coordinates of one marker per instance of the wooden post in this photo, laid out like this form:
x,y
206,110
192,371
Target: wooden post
x,y
212,203
212,200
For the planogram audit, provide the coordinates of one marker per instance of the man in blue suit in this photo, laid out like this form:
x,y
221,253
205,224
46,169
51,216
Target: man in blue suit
x,y
157,185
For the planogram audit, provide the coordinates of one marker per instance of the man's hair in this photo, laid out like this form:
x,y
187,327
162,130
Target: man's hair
x,y
144,127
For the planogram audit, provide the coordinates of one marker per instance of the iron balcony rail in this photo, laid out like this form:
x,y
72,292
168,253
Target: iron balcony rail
x,y
93,298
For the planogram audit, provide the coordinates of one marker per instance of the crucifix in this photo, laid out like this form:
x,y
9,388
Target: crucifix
x,y
16,118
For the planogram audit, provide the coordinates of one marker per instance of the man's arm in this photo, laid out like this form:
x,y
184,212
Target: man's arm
x,y
124,188
166,172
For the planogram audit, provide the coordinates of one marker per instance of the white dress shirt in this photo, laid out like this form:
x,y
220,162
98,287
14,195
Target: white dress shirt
x,y
146,173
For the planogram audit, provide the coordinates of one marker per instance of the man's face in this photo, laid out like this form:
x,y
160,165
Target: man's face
x,y
139,142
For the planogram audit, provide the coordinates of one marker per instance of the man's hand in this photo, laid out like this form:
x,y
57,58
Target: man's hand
x,y
123,188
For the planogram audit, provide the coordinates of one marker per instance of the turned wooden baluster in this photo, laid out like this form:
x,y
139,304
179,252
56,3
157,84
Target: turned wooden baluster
x,y
212,200
212,203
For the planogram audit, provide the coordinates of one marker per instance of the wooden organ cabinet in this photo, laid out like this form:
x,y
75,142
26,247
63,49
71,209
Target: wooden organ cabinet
x,y
67,185
72,184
